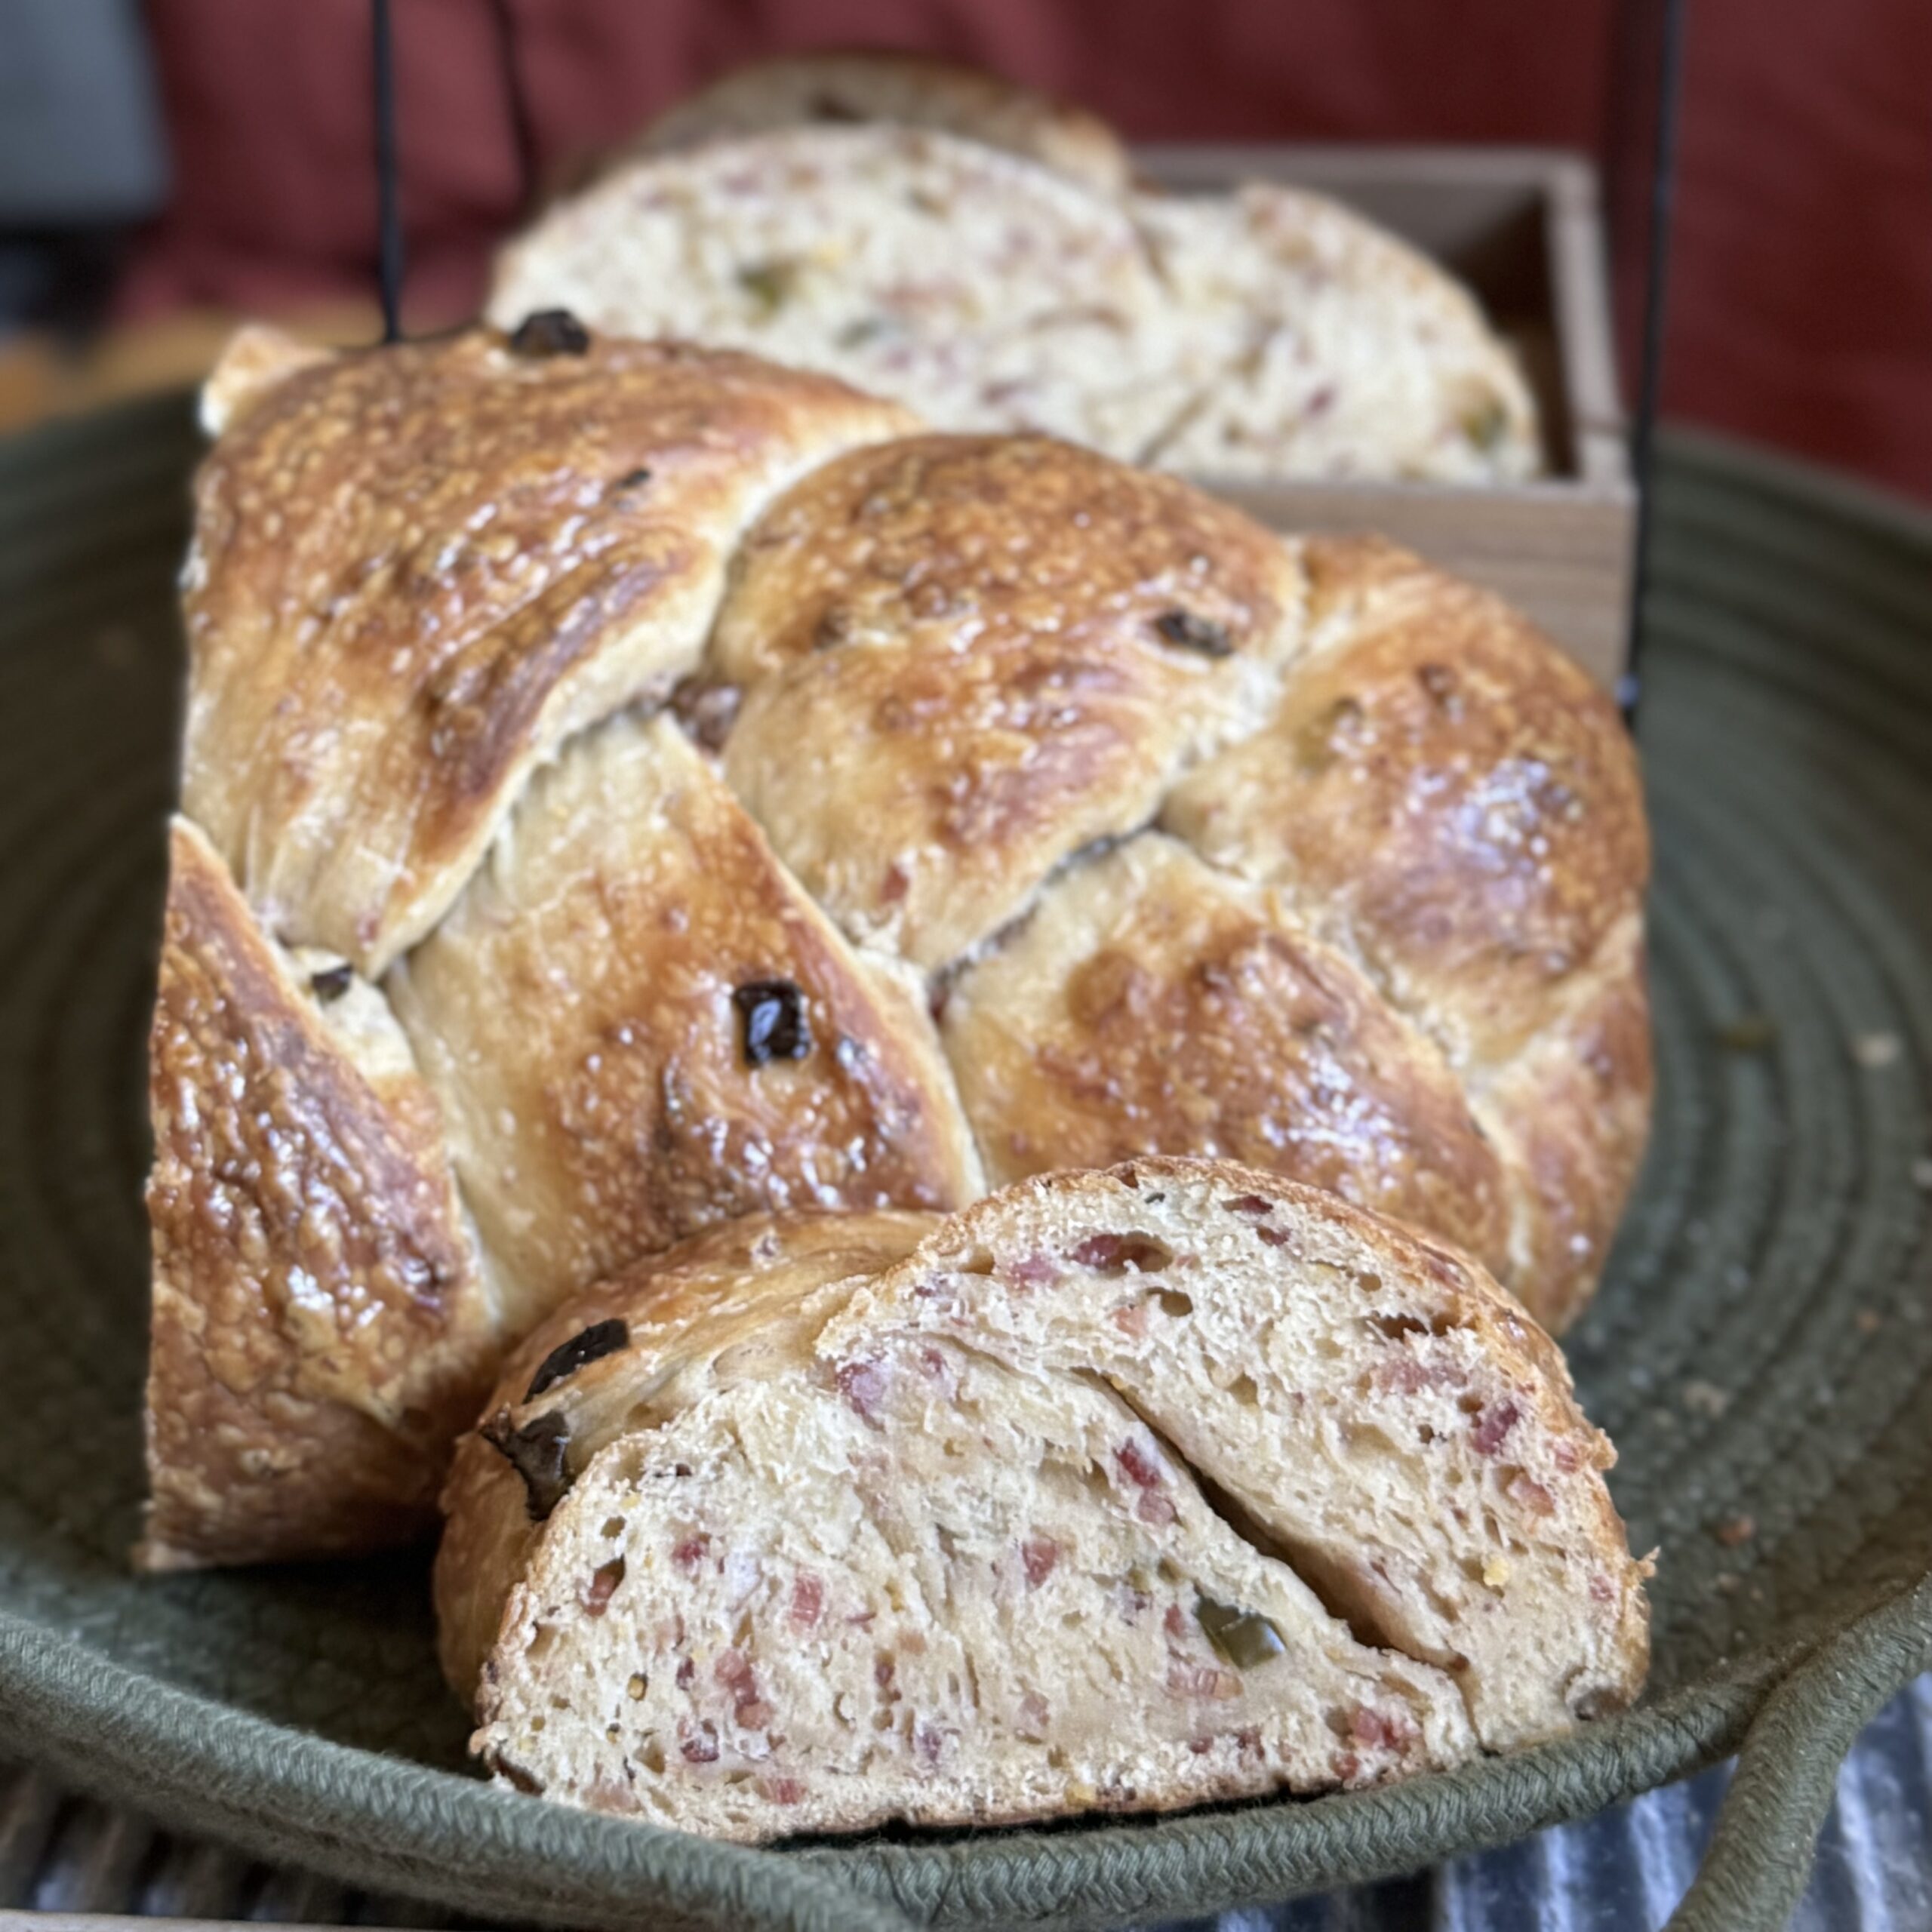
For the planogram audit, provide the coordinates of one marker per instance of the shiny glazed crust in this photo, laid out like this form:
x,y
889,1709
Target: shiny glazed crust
x,y
922,790
574,1014
1236,1389
320,1330
416,570
1191,840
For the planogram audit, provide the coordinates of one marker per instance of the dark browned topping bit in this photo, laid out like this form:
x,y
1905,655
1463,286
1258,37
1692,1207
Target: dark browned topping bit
x,y
1241,1638
516,1776
537,1452
329,984
706,711
550,332
633,479
1440,683
1183,629
772,1013
600,1338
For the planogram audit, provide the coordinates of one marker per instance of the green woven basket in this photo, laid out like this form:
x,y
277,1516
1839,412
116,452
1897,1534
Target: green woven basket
x,y
1761,1351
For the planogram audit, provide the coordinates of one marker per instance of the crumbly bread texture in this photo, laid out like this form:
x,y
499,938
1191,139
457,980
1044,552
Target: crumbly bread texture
x,y
1125,1490
987,291
690,789
910,89
1337,351
1268,334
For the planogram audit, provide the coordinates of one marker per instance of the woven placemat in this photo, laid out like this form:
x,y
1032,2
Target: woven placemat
x,y
1761,1350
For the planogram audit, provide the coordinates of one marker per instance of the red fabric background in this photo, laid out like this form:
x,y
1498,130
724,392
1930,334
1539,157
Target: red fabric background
x,y
1802,297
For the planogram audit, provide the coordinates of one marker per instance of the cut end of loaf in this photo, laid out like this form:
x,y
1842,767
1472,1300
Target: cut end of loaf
x,y
1121,1491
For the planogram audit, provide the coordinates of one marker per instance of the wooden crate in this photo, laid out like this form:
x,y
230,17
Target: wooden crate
x,y
1521,227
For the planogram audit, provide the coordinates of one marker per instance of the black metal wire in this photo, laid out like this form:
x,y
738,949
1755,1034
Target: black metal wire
x,y
523,128
390,265
1657,285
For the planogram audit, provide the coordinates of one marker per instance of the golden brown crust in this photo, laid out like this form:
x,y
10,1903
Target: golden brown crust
x,y
581,1015
1441,784
966,657
1153,1006
1406,963
731,1302
1448,798
417,569
257,356
1573,1110
911,90
319,1327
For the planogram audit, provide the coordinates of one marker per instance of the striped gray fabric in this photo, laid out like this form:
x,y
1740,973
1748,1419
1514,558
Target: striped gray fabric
x,y
1623,1872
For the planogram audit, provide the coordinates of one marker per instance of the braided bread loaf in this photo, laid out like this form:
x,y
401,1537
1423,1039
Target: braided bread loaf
x,y
628,786
1127,1489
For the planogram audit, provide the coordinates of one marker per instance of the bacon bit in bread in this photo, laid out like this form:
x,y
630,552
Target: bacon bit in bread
x,y
1531,1493
1039,1554
1114,1254
1034,1271
1382,1729
1201,1680
1135,1466
862,1384
1492,1425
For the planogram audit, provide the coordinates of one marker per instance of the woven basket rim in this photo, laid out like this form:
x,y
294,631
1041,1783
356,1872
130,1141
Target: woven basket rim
x,y
199,1763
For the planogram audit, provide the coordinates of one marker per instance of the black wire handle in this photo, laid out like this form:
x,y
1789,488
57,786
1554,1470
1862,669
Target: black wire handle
x,y
390,265
1656,282
516,98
